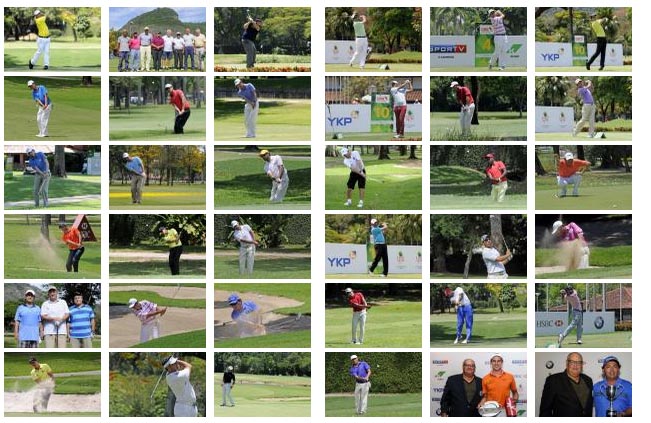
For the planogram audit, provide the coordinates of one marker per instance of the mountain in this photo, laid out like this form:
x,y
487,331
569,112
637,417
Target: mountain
x,y
160,20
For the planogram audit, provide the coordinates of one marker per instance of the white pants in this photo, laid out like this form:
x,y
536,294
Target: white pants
x,y
465,118
42,46
499,191
361,48
251,118
563,182
279,189
359,319
149,331
587,116
247,258
42,119
185,410
584,263
226,393
499,55
361,396
145,58
500,275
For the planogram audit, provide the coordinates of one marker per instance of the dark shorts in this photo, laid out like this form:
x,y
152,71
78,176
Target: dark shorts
x,y
354,178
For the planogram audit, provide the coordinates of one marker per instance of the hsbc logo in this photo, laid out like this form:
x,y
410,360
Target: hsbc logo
x,y
448,48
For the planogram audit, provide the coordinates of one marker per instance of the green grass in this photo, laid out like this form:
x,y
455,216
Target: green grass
x,y
115,61
457,187
75,111
493,126
158,269
597,340
391,324
384,405
583,137
598,191
265,267
376,276
240,180
611,263
372,136
177,197
266,396
154,123
10,342
272,60
55,414
296,291
122,297
582,69
491,329
475,69
193,339
78,384
397,182
61,362
20,187
64,56
27,258
293,339
440,275
402,61
278,120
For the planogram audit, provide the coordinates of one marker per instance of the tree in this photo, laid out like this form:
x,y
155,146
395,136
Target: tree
x,y
412,152
60,161
45,226
384,153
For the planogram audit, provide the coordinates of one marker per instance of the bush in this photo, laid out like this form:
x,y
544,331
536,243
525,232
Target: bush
x,y
624,326
298,229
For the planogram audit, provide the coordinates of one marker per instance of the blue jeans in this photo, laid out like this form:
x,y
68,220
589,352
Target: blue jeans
x,y
124,61
134,59
464,315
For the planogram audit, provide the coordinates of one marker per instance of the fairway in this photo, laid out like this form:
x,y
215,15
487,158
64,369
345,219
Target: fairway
x,y
493,126
389,324
266,396
179,196
583,136
397,182
263,63
78,192
240,181
75,111
278,120
65,56
154,123
490,330
601,340
599,190
28,257
281,263
379,405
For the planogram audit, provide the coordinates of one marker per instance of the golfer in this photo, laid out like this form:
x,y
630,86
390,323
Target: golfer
x,y
54,314
575,314
145,49
38,162
181,108
463,306
172,238
357,301
73,240
123,51
42,375
467,103
246,237
28,329
597,26
81,323
251,28
357,176
247,316
378,233
494,261
275,170
136,170
251,106
499,39
361,41
398,96
44,103
147,312
178,380
584,90
228,382
573,240
496,174
42,41
570,173
361,372
200,49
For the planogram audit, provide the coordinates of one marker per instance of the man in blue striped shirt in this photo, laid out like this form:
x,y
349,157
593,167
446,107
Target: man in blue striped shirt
x,y
81,323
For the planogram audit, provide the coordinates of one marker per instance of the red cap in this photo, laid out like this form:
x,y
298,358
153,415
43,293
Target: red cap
x,y
489,156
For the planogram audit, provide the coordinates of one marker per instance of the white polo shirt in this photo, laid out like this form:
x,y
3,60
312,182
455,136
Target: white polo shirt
x,y
56,309
457,299
355,162
179,383
243,234
273,166
490,256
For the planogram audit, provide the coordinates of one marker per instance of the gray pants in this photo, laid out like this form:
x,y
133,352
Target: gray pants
x,y
137,182
247,257
42,394
361,397
52,342
41,187
249,49
226,393
81,343
577,322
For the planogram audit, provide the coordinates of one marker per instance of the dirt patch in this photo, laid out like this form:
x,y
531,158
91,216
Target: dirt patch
x,y
185,293
21,402
151,255
410,164
277,399
124,329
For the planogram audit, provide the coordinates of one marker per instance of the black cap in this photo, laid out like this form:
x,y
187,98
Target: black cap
x,y
32,360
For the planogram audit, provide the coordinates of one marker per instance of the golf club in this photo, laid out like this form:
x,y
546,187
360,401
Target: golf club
x,y
248,15
153,391
334,134
56,337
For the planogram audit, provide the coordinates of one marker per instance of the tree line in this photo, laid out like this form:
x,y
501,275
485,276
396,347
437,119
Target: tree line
x,y
144,90
602,157
466,20
81,22
265,363
135,229
403,229
494,93
271,230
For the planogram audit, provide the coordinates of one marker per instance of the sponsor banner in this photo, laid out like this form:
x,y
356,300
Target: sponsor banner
x,y
381,113
348,118
614,54
554,119
444,365
553,54
553,323
339,52
405,259
345,258
579,50
516,50
452,51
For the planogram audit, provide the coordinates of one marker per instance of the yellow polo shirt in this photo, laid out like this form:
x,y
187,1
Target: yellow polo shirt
x,y
598,29
41,374
41,27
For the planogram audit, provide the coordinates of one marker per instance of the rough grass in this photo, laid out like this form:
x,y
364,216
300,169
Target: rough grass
x,y
20,188
193,339
493,126
266,267
381,405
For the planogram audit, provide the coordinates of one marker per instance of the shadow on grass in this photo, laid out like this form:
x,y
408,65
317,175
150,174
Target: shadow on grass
x,y
299,182
445,335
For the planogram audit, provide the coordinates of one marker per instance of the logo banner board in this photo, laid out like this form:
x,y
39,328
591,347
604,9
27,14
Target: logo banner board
x,y
553,323
554,119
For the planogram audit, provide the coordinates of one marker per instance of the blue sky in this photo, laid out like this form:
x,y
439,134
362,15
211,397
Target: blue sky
x,y
118,16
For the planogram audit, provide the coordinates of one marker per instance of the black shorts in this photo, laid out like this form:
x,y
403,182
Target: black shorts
x,y
355,178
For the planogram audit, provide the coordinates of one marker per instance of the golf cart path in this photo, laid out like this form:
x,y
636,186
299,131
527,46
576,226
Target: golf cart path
x,y
57,374
149,255
262,253
55,201
21,402
124,331
185,293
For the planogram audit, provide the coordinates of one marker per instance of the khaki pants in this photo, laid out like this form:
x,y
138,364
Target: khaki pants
x,y
499,192
137,182
81,343
42,394
361,397
50,341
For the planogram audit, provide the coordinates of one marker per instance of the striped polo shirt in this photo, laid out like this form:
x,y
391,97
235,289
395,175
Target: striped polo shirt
x,y
79,319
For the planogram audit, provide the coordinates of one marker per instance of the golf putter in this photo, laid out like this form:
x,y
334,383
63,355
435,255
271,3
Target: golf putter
x,y
56,337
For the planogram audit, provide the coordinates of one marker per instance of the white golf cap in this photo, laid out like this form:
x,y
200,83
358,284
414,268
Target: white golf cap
x,y
394,82
577,80
352,357
30,83
237,82
29,150
348,290
491,11
485,237
556,226
453,84
30,291
168,86
146,28
496,355
125,155
373,221
230,367
171,360
37,12
132,302
343,151
234,223
569,156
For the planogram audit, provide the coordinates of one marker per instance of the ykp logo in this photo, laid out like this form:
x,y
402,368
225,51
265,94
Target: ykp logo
x,y
550,57
339,261
340,121
448,48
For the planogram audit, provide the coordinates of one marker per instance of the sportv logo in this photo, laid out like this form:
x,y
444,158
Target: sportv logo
x,y
448,48
514,49
340,121
339,261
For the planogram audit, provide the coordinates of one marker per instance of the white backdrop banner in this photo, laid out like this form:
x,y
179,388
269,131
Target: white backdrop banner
x,y
451,51
614,54
553,323
348,118
405,259
345,258
339,52
553,54
554,119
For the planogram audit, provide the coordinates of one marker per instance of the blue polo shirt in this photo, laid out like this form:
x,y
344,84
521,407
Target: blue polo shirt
x,y
135,165
39,161
29,318
247,92
247,307
40,94
361,369
623,399
378,235
79,320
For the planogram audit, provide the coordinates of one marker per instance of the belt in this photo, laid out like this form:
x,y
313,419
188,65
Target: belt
x,y
43,37
192,404
503,35
498,273
362,382
360,37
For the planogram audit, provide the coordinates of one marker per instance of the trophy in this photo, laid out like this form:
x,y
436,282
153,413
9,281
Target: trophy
x,y
611,394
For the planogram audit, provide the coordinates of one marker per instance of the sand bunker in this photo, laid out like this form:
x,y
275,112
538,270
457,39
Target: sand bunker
x,y
186,293
21,402
124,329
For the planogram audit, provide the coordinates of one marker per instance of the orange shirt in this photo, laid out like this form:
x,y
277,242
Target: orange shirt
x,y
74,236
565,170
498,388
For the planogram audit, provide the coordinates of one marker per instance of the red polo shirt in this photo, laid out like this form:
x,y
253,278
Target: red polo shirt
x,y
177,98
357,298
495,171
